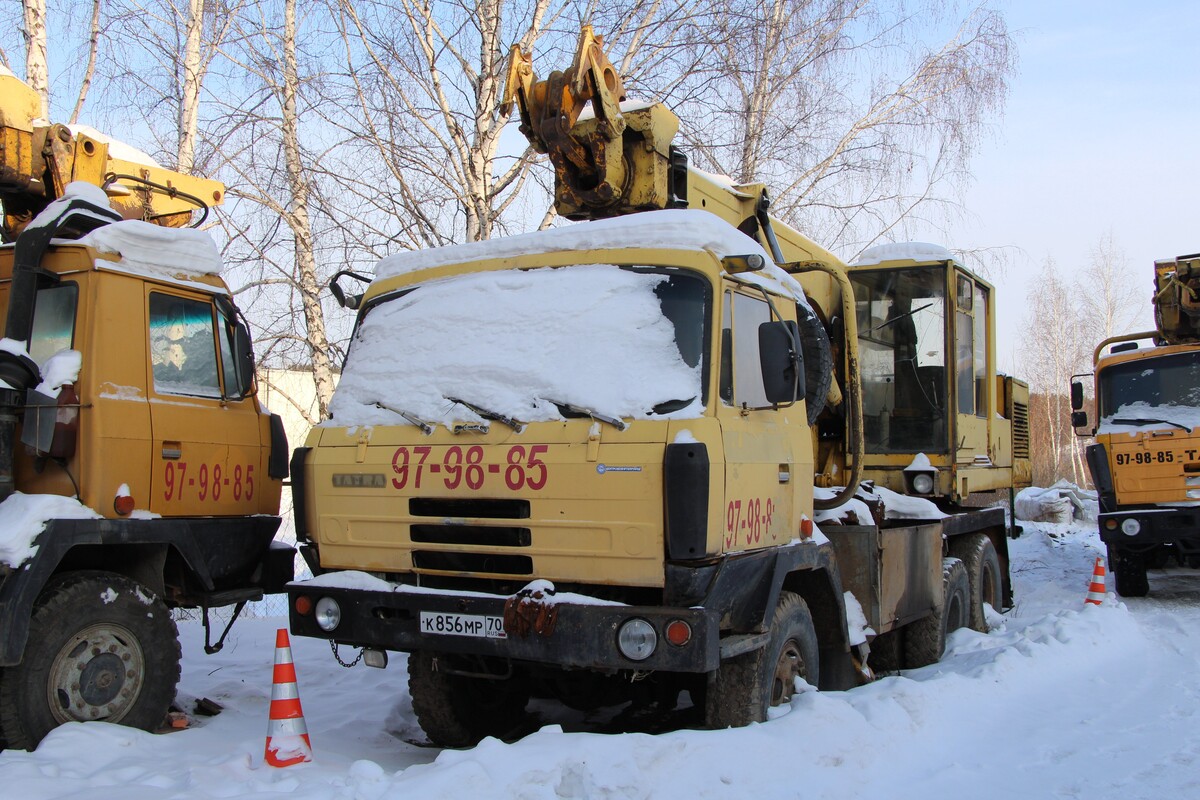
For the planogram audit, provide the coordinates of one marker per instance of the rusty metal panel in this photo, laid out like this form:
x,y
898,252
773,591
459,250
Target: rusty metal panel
x,y
895,573
857,548
910,573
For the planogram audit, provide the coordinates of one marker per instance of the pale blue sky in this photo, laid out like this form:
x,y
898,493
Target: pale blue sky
x,y
1101,133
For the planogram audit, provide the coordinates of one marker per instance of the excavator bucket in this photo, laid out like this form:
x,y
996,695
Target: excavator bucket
x,y
612,161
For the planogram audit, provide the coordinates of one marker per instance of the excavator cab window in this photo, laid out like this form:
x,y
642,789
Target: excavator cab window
x,y
182,346
53,321
902,352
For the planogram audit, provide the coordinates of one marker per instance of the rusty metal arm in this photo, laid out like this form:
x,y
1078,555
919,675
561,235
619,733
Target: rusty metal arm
x,y
588,160
853,379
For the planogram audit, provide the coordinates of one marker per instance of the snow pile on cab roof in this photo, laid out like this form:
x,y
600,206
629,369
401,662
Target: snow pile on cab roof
x,y
916,251
155,251
512,341
680,229
24,516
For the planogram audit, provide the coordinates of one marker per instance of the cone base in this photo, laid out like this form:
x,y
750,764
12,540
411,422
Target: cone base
x,y
284,751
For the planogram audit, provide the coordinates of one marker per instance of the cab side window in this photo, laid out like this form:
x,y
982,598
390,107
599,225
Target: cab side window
x,y
183,348
741,381
53,321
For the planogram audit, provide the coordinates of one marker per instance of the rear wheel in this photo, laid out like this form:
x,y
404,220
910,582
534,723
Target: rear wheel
x,y
457,710
1129,572
101,647
984,579
744,687
925,639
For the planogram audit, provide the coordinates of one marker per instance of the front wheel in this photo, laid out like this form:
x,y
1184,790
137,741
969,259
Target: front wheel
x,y
101,647
744,687
457,709
1129,572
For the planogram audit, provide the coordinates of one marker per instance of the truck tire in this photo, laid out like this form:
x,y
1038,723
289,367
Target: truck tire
x,y
101,647
925,639
743,688
978,554
1129,572
458,711
818,361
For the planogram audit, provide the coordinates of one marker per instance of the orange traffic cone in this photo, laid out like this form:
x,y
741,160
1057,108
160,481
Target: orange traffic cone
x,y
1096,589
287,735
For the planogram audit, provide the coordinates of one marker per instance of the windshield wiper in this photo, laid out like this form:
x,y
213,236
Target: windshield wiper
x,y
616,422
1147,421
426,427
516,425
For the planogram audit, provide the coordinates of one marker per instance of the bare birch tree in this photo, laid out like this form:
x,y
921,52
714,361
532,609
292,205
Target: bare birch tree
x,y
1105,286
167,50
274,181
37,68
1055,347
853,112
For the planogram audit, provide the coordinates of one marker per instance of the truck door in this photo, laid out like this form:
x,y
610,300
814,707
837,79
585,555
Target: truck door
x,y
206,455
974,391
762,476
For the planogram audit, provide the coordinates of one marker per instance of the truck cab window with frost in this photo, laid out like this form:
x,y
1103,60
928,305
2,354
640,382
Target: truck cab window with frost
x,y
902,356
53,321
182,346
531,345
1172,380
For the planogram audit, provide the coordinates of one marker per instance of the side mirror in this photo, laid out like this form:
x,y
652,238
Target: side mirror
x,y
781,361
1077,397
243,353
345,300
1078,418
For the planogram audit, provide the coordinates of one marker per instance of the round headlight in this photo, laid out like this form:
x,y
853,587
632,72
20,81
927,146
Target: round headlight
x,y
923,483
1130,526
329,613
636,639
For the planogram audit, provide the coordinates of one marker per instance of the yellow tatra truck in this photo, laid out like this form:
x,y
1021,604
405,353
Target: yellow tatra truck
x,y
138,471
1145,462
609,462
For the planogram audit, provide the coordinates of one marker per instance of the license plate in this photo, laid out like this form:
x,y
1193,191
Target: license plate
x,y
477,625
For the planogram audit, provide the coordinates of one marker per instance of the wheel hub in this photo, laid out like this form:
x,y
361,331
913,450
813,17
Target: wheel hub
x,y
789,667
97,675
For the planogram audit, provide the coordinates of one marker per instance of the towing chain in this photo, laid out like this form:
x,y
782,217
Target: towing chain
x,y
334,647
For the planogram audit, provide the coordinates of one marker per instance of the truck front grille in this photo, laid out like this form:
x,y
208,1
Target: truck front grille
x,y
469,508
470,534
491,563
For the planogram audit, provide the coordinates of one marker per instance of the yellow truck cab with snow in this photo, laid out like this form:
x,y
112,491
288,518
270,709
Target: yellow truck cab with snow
x,y
583,463
1145,463
138,471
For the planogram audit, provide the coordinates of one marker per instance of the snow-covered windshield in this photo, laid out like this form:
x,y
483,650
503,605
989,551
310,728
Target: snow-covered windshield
x,y
528,344
1148,390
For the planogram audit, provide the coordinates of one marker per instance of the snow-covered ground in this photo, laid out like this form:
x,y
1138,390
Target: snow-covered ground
x,y
1060,700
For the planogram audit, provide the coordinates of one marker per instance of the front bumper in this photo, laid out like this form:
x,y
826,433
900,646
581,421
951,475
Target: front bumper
x,y
584,635
1178,526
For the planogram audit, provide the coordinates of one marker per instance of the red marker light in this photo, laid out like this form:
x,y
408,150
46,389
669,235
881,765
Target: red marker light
x,y
678,632
304,605
806,528
124,505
